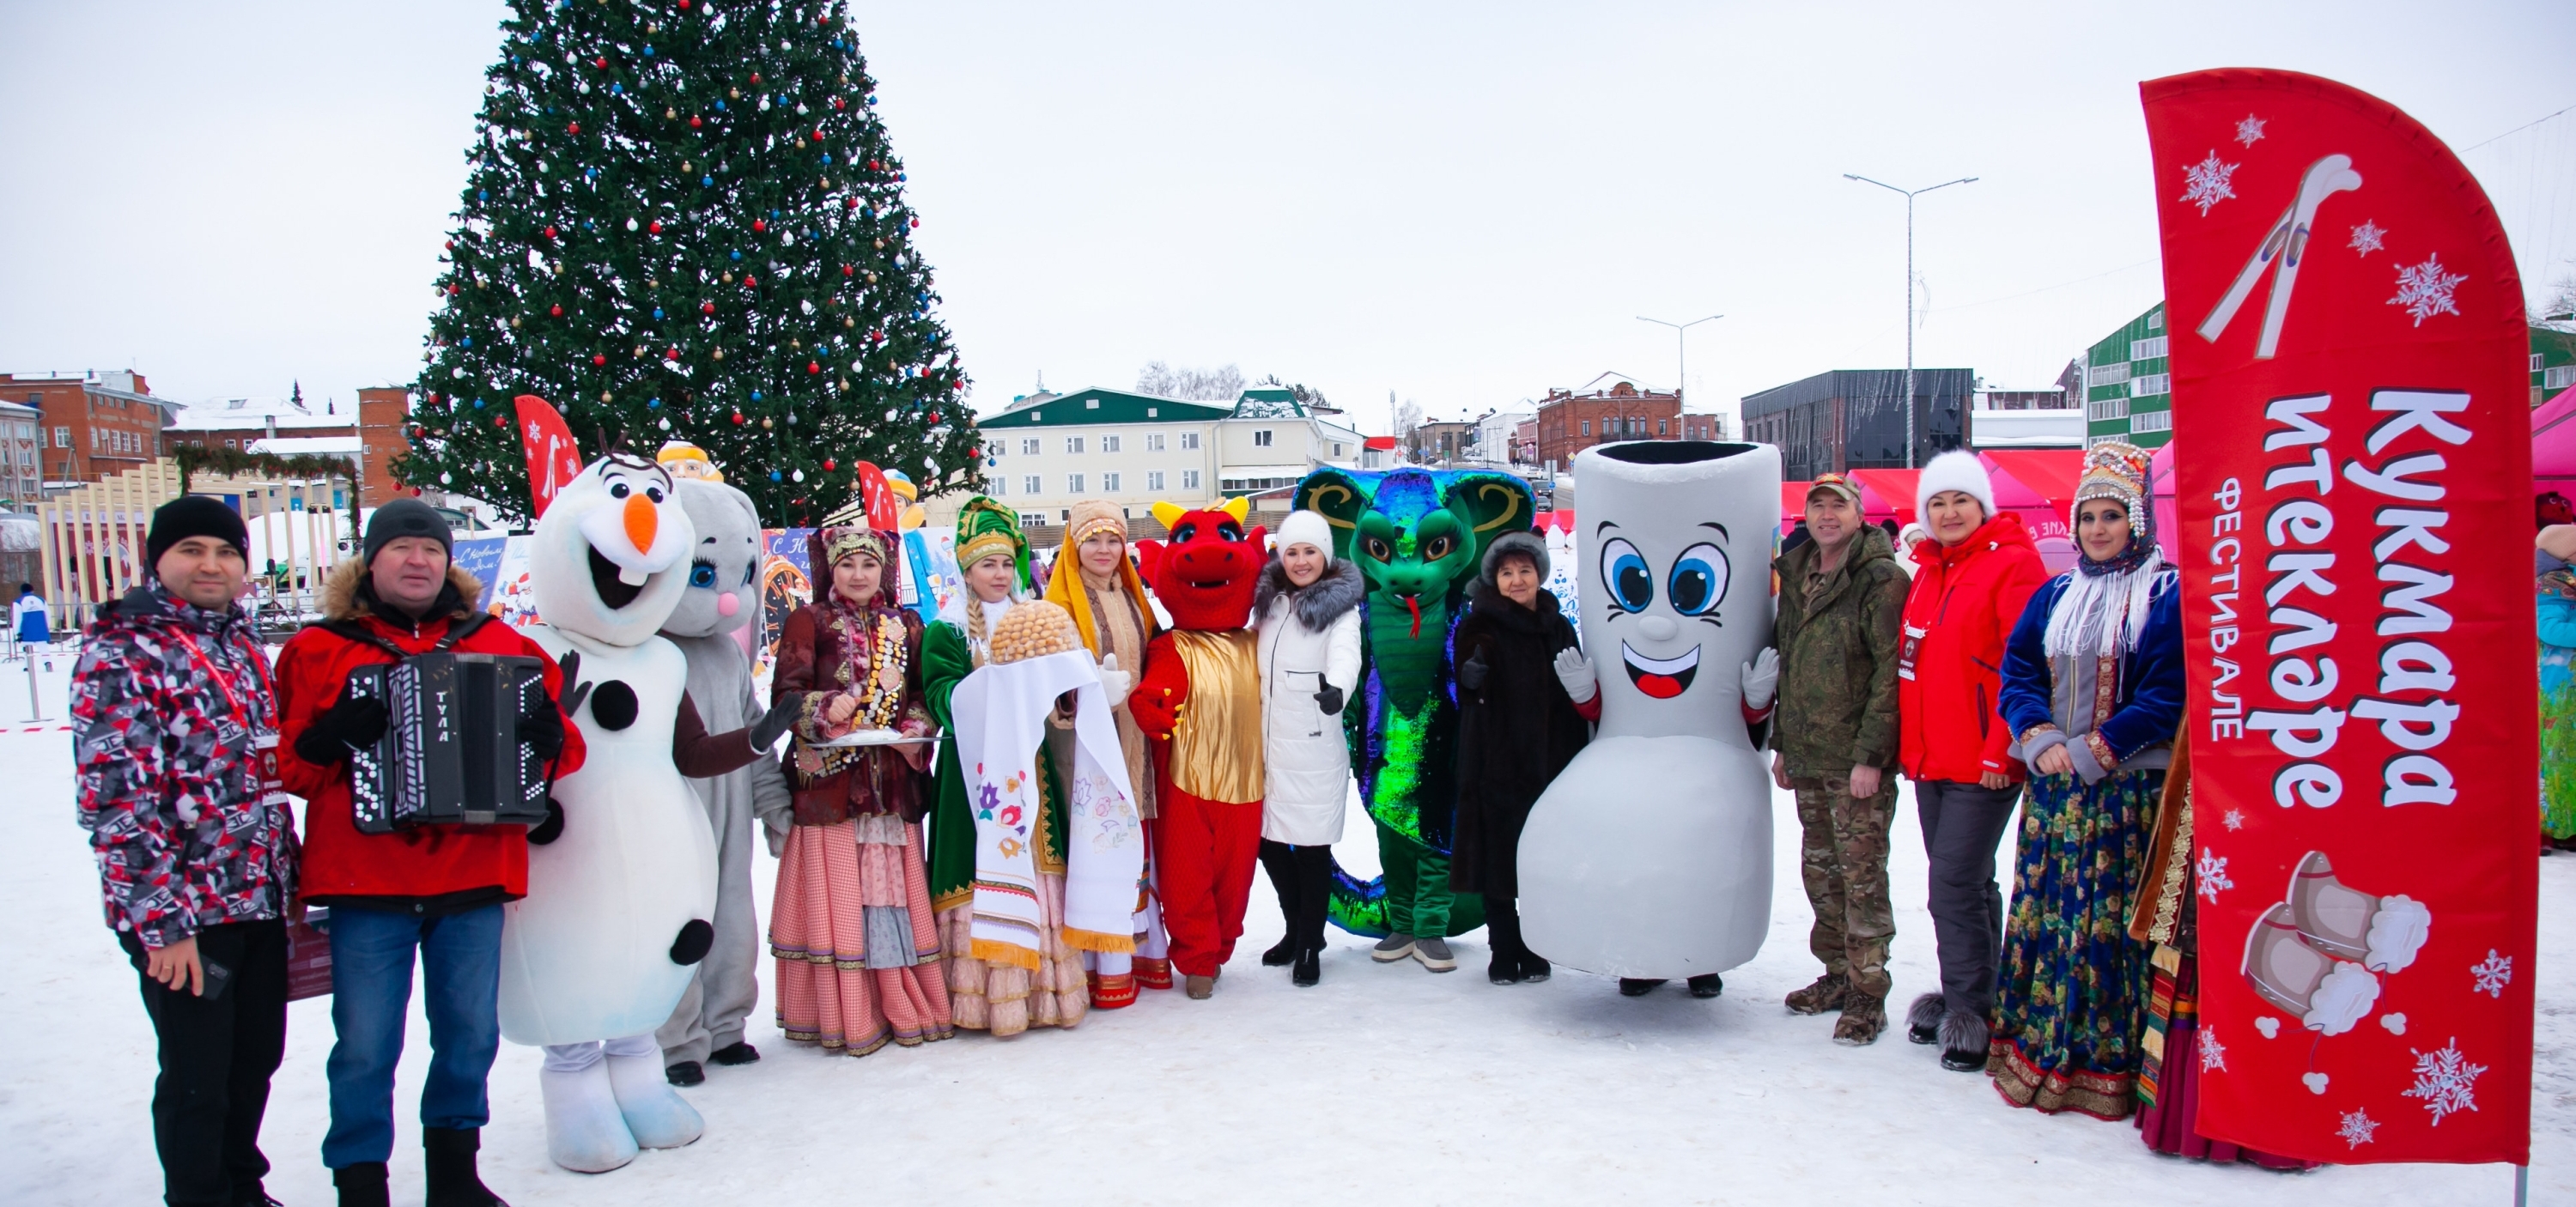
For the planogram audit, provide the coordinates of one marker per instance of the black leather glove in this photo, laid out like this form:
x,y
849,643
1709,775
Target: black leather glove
x,y
551,828
543,730
765,731
1471,673
1330,700
354,721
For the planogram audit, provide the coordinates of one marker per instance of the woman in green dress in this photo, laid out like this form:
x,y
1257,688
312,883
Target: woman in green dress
x,y
1002,998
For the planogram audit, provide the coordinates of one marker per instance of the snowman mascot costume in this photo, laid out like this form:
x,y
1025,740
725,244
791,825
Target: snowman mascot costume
x,y
723,596
1649,857
622,881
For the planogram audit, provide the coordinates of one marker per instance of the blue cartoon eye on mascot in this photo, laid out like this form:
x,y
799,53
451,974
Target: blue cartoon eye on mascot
x,y
622,882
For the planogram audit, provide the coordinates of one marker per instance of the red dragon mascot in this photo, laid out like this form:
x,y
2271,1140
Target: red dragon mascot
x,y
1200,701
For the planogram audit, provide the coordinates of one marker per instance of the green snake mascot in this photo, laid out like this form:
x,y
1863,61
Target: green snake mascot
x,y
1417,536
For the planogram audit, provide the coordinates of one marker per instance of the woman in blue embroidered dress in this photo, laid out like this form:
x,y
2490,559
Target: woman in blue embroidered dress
x,y
2093,692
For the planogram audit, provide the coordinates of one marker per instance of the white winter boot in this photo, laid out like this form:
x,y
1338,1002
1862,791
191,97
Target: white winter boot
x,y
655,1113
585,1131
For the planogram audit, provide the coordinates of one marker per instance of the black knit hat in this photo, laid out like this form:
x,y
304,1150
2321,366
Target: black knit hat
x,y
194,515
402,518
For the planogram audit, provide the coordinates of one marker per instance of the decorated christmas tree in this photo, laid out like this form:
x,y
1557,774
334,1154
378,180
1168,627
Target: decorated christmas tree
x,y
683,220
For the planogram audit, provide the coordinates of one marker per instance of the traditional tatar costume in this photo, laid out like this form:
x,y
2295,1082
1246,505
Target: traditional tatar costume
x,y
1115,620
2094,666
858,949
1029,865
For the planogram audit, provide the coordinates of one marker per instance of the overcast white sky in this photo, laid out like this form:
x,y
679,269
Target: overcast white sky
x,y
1462,204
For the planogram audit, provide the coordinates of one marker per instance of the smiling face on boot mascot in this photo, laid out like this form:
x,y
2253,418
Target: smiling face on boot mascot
x,y
588,953
1650,855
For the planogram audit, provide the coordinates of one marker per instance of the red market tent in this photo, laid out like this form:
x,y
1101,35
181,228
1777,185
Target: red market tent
x,y
1793,505
2553,445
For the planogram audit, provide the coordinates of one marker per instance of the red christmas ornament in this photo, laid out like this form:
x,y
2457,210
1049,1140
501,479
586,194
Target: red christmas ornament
x,y
813,367
849,203
575,128
694,123
601,62
557,311
916,223
828,466
755,77
597,359
737,417
749,281
934,417
500,421
760,224
874,166
706,308
846,270
684,5
818,133
655,226
451,245
451,288
840,102
550,232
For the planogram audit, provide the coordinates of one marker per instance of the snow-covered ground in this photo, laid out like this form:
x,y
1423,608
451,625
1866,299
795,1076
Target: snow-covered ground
x,y
1384,1082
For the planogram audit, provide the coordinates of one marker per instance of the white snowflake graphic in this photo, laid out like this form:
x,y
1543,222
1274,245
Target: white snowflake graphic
x,y
2425,290
2358,1129
2213,1054
2367,238
2492,974
2249,131
2211,871
2235,819
2205,183
2445,1080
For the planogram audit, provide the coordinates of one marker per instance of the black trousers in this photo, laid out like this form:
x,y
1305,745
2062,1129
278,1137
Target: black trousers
x,y
216,1057
1303,878
1962,823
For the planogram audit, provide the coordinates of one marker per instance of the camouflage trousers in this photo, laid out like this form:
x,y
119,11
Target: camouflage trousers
x,y
1842,859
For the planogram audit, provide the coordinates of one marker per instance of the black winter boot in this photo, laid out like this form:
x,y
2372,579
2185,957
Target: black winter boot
x,y
1278,859
362,1185
736,1053
1309,969
1707,985
1503,934
1637,986
453,1181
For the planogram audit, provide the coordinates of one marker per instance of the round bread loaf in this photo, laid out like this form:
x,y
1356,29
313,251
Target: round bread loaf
x,y
1033,630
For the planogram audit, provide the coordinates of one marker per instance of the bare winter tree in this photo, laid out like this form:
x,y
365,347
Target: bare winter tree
x,y
1307,396
2558,311
1195,385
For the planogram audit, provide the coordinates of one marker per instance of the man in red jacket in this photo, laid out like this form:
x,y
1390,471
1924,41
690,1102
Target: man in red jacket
x,y
1973,578
433,890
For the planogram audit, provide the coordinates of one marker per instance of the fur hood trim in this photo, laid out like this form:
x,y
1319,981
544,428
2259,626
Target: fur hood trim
x,y
340,600
1319,604
1509,544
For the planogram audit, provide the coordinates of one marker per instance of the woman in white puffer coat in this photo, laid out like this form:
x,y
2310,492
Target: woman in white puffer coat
x,y
1308,608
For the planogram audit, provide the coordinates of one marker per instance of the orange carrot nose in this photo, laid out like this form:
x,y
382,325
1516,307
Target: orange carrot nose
x,y
642,521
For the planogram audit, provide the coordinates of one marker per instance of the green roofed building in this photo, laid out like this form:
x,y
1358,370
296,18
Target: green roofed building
x,y
2128,386
2553,363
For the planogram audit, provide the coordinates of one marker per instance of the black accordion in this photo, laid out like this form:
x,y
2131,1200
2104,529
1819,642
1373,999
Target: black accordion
x,y
451,752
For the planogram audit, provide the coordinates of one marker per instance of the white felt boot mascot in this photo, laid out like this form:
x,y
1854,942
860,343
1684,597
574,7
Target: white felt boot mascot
x,y
1650,856
723,597
619,902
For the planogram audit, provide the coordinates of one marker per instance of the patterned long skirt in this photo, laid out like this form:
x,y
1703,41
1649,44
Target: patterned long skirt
x,y
858,951
2558,759
2071,999
2169,1081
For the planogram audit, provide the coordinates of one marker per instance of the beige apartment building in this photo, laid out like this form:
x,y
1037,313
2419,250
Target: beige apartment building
x,y
1048,451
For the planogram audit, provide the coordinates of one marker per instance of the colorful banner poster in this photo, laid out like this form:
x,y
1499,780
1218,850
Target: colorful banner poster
x,y
554,460
786,584
2350,391
480,556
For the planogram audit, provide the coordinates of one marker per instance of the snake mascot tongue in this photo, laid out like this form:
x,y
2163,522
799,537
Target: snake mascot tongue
x,y
621,887
1199,699
1418,537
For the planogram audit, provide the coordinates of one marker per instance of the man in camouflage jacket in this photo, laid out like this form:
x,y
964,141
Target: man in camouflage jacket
x,y
174,749
1842,597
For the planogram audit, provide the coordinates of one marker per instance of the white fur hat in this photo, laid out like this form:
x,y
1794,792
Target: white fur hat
x,y
1310,527
1957,470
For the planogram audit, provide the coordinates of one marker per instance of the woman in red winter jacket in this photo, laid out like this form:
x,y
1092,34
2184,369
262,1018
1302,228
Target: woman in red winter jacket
x,y
1972,579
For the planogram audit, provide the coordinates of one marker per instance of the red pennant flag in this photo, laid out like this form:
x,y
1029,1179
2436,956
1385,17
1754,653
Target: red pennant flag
x,y
553,458
884,507
2348,349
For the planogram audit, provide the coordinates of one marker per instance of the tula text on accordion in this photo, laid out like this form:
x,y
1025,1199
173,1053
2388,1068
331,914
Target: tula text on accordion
x,y
451,751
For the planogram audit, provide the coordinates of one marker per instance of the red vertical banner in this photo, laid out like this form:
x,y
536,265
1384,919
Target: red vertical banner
x,y
554,460
2346,333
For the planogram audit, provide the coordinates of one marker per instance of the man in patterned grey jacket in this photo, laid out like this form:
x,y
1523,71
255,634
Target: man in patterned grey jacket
x,y
174,746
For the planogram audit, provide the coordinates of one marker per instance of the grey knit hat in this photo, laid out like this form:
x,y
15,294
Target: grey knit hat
x,y
402,518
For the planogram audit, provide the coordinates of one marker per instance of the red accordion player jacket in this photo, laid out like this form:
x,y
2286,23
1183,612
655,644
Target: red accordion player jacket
x,y
427,869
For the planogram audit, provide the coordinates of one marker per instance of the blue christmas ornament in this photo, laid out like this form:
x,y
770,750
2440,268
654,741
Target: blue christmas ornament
x,y
707,181
616,89
469,341
827,159
478,404
773,475
773,213
872,98
657,312
648,50
736,255
651,403
720,106
755,395
480,195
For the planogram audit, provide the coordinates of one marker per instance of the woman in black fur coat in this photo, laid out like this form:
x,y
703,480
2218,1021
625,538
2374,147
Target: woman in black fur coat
x,y
1517,729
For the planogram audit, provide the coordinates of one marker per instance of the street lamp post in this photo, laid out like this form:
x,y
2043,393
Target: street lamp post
x,y
1910,195
1681,353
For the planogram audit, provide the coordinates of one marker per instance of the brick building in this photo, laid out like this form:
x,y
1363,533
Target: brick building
x,y
1612,408
384,430
95,426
